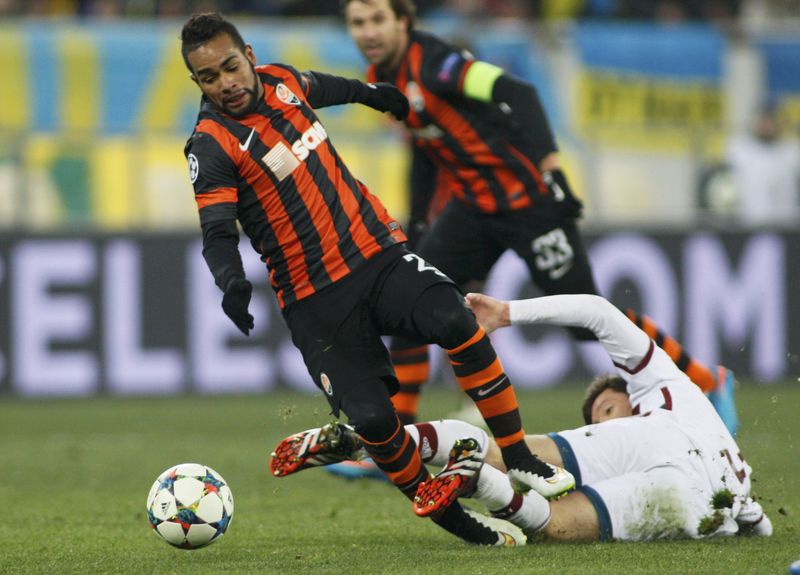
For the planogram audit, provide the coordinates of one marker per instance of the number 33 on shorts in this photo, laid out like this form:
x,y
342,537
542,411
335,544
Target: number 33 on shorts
x,y
554,255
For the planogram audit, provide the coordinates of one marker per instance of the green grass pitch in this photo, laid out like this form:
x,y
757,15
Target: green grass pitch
x,y
74,475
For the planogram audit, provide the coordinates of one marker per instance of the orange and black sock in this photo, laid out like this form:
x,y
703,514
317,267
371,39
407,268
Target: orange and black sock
x,y
398,457
700,375
480,374
412,367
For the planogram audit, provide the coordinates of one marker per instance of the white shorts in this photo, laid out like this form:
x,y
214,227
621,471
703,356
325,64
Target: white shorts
x,y
643,477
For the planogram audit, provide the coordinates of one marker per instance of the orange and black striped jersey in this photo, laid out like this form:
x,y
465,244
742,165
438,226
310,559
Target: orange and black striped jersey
x,y
276,171
491,160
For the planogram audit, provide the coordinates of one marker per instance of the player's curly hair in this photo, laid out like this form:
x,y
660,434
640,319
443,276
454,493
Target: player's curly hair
x,y
401,8
202,28
598,386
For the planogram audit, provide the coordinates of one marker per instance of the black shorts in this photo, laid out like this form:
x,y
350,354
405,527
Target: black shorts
x,y
465,244
339,329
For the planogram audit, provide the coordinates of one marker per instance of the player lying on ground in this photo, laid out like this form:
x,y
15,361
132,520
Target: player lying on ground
x,y
654,461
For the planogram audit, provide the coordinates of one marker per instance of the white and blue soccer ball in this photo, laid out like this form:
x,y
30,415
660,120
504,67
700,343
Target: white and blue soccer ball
x,y
190,505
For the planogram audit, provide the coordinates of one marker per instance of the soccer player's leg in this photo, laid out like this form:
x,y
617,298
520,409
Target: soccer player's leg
x,y
412,367
465,475
439,314
718,385
395,452
417,300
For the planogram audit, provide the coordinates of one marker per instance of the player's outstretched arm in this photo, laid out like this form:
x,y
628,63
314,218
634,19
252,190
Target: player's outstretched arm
x,y
624,342
327,90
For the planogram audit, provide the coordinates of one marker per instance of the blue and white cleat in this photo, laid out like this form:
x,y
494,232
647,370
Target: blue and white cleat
x,y
723,398
360,469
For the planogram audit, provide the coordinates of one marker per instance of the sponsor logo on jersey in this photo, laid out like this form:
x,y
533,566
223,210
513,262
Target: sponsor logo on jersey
x,y
286,96
282,160
327,387
415,97
194,167
310,139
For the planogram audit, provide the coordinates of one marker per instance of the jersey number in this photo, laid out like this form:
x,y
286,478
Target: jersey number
x,y
422,265
553,253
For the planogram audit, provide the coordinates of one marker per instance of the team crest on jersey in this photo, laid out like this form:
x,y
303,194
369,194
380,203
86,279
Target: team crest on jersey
x,y
326,384
286,96
194,167
415,97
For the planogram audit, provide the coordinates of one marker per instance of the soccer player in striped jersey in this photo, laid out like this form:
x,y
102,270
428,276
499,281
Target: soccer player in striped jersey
x,y
487,131
336,260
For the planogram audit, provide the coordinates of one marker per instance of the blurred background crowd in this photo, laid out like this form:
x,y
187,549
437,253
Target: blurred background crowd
x,y
667,111
662,10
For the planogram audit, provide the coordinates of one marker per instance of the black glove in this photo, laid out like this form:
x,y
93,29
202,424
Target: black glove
x,y
385,97
235,302
415,229
565,201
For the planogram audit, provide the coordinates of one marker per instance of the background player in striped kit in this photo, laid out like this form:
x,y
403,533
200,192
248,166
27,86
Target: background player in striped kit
x,y
260,156
485,134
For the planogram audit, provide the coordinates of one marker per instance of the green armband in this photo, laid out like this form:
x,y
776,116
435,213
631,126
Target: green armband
x,y
479,81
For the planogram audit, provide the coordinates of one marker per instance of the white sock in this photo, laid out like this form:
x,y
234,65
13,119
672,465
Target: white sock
x,y
435,439
530,512
494,489
534,514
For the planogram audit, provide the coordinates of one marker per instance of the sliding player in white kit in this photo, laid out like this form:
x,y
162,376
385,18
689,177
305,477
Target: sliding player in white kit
x,y
655,461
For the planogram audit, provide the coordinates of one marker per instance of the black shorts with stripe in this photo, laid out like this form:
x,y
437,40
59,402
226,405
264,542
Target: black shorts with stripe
x,y
465,243
339,329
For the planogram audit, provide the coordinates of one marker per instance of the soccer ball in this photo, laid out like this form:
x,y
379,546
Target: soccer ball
x,y
190,506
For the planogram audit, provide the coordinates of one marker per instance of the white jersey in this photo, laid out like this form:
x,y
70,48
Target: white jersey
x,y
675,437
